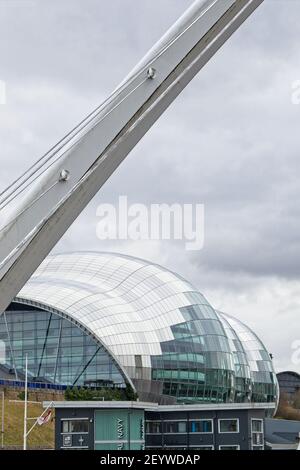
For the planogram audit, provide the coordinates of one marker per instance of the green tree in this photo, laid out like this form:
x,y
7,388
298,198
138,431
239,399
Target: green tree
x,y
109,394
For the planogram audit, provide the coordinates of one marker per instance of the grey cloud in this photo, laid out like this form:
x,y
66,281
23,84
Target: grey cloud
x,y
230,141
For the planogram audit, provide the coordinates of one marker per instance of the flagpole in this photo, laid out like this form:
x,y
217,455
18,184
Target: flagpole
x,y
25,404
2,422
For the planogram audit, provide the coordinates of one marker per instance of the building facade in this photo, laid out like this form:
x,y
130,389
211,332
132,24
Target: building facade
x,y
289,382
206,427
119,322
99,426
139,426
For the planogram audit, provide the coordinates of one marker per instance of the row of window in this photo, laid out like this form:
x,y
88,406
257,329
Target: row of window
x,y
201,426
222,447
205,426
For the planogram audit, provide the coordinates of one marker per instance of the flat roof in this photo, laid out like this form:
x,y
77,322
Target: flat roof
x,y
98,404
155,407
212,406
283,446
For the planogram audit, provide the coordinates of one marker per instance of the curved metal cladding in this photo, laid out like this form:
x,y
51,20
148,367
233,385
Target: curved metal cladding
x,y
254,373
169,341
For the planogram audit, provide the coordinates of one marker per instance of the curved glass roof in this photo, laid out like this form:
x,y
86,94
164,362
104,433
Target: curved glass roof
x,y
161,330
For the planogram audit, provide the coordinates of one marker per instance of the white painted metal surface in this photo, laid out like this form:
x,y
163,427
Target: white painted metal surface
x,y
77,168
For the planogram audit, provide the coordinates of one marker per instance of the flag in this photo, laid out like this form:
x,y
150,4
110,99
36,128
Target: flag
x,y
44,419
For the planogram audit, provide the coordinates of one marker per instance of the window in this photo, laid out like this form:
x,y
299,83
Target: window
x,y
173,448
60,360
79,426
201,426
257,439
65,426
202,447
228,425
153,427
75,426
175,427
257,425
257,434
229,447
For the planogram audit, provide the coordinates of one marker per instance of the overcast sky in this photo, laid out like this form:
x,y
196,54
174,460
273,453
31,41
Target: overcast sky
x,y
231,142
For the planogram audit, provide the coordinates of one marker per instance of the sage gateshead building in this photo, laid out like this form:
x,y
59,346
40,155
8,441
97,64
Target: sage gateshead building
x,y
116,321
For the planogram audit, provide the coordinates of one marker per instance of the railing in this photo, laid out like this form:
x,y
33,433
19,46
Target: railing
x,y
31,385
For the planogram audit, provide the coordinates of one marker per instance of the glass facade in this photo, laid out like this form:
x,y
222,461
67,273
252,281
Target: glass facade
x,y
164,336
58,351
197,364
263,386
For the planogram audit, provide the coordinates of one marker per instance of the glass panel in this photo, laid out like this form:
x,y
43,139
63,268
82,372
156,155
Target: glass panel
x,y
233,447
154,427
65,426
257,425
228,425
58,352
175,427
79,426
203,426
